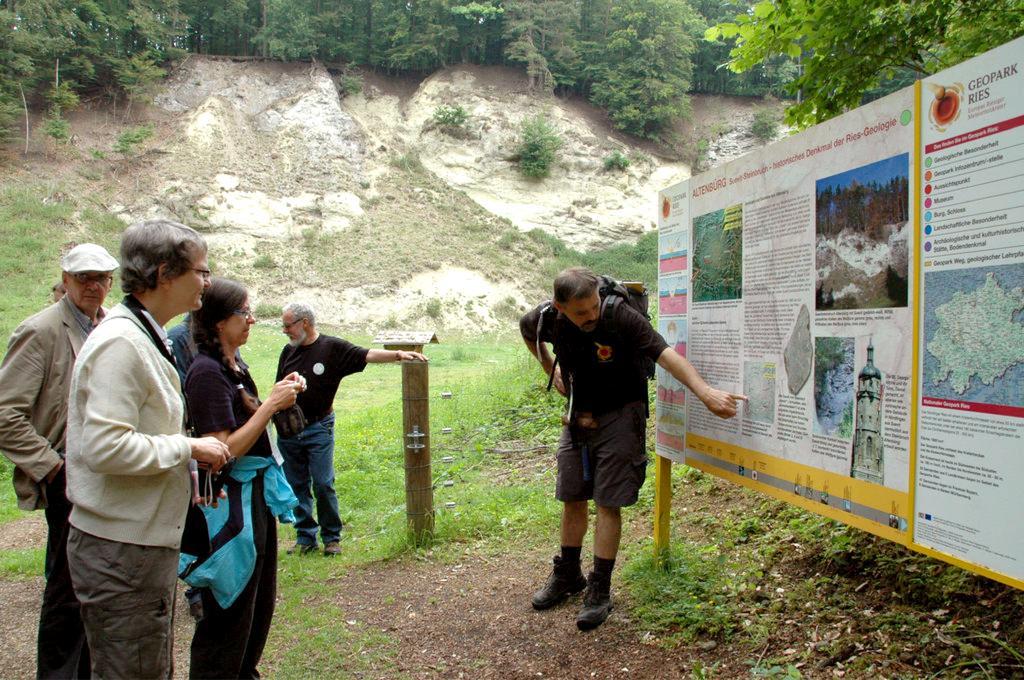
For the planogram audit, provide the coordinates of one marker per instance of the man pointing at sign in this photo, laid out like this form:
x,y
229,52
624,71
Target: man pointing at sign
x,y
602,358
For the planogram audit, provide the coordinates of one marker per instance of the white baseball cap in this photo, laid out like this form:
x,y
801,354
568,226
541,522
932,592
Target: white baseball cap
x,y
88,257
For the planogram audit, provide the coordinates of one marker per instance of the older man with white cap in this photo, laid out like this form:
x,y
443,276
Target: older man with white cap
x,y
35,379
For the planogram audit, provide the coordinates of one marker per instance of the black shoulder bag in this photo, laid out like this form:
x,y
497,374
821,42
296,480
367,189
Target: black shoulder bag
x,y
291,421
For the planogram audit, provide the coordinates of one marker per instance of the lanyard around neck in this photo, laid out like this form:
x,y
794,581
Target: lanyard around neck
x,y
140,312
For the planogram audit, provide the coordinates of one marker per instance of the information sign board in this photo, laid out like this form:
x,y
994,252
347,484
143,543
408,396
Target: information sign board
x,y
970,446
862,282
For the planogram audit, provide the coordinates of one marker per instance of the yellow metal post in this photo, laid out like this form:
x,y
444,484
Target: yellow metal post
x,y
662,508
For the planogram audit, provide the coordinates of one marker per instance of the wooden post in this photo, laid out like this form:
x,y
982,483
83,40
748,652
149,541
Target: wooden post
x,y
662,509
419,489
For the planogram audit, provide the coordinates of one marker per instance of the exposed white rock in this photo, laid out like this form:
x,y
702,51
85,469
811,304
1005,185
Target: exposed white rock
x,y
259,215
269,151
482,163
226,182
447,298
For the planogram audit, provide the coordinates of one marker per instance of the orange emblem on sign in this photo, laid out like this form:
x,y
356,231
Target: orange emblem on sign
x,y
604,352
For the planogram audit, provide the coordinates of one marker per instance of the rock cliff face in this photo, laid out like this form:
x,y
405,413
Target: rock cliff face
x,y
269,158
580,202
281,148
266,151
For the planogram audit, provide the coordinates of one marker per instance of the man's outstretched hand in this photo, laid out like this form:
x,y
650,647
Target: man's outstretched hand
x,y
723,404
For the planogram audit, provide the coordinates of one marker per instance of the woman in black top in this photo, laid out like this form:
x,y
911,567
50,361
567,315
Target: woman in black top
x,y
223,403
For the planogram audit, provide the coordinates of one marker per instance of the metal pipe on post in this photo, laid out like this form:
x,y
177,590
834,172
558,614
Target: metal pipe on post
x,y
419,491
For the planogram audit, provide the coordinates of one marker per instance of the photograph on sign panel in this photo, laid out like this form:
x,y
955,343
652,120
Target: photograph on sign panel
x,y
868,445
717,265
861,220
833,387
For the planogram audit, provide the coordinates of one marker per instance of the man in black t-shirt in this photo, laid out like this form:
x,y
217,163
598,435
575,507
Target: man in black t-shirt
x,y
602,452
323,361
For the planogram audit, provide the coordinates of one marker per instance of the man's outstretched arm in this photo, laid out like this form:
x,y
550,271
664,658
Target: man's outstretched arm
x,y
387,356
722,404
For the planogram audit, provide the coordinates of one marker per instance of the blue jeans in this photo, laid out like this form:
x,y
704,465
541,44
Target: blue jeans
x,y
309,457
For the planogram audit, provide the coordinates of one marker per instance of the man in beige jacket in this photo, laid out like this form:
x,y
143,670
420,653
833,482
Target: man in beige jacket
x,y
34,381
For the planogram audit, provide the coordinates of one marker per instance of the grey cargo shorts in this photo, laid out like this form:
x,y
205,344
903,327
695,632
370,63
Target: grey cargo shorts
x,y
617,452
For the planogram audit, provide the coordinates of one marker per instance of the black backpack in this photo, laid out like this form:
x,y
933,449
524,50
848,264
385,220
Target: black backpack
x,y
632,293
612,292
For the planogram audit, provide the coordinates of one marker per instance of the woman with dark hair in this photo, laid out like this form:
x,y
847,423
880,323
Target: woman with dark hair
x,y
237,581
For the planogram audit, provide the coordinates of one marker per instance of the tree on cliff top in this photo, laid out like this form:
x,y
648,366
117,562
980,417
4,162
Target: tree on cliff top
x,y
848,47
643,73
632,57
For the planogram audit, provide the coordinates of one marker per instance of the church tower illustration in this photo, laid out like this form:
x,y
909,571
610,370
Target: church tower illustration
x,y
867,437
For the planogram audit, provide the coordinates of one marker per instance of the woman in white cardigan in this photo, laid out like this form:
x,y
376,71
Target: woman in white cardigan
x,y
128,456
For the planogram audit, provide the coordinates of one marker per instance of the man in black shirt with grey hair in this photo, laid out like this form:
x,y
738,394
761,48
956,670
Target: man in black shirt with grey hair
x,y
323,360
602,452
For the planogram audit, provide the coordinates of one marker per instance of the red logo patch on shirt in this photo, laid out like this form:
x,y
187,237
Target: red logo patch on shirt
x,y
604,352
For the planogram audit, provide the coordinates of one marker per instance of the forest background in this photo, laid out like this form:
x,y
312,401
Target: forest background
x,y
636,58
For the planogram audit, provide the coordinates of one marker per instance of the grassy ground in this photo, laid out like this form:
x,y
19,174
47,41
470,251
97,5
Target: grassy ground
x,y
370,482
38,222
824,598
485,376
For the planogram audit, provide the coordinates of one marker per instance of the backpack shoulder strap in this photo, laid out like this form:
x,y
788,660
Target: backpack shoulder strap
x,y
546,312
608,305
545,319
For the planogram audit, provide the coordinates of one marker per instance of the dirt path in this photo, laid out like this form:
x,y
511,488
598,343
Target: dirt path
x,y
474,619
23,533
470,619
19,616
439,616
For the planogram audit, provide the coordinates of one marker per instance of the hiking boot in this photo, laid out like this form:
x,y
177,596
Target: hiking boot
x,y
301,549
331,549
597,602
566,579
